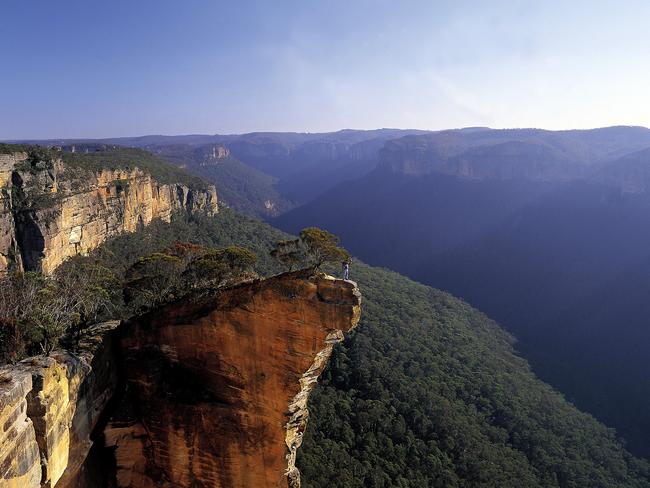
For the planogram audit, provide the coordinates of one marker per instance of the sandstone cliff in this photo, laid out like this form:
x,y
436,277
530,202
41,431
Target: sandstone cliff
x,y
221,383
50,211
216,392
49,407
502,160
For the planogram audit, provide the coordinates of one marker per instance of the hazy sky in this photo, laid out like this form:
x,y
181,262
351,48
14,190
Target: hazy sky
x,y
92,68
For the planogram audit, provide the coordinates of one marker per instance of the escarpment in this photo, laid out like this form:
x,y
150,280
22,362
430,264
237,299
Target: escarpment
x,y
213,392
50,210
221,383
49,407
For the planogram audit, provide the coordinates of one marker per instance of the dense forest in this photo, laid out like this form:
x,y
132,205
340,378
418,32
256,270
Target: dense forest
x,y
562,265
427,391
325,244
241,187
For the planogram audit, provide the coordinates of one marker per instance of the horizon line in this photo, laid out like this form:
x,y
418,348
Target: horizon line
x,y
234,134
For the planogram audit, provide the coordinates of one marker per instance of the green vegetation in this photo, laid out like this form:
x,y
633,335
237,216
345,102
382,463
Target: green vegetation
x,y
225,230
114,157
289,253
244,189
321,246
103,157
181,269
240,187
129,274
427,391
38,158
36,310
313,248
12,148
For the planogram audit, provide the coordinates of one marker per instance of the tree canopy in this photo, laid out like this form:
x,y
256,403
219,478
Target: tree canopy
x,y
427,391
313,248
36,310
183,268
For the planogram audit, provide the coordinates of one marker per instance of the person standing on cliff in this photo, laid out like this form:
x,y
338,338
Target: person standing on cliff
x,y
346,270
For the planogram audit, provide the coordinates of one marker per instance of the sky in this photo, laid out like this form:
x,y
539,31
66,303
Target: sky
x,y
96,68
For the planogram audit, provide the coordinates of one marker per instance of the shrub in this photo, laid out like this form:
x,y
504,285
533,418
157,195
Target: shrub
x,y
36,311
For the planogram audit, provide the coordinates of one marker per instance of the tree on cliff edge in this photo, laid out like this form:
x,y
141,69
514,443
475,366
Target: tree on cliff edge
x,y
313,248
183,268
37,310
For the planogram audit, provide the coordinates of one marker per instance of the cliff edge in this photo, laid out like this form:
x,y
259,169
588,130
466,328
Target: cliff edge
x,y
215,391
51,209
221,383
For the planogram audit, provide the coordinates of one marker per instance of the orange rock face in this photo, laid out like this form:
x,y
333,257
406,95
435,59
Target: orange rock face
x,y
61,214
218,386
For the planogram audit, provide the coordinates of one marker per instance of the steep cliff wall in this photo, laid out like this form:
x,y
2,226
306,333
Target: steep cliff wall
x,y
216,391
8,246
20,465
501,160
221,384
49,211
49,407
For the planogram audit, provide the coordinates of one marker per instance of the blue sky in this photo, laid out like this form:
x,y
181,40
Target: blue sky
x,y
73,68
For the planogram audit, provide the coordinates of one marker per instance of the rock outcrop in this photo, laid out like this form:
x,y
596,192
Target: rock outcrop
x,y
218,152
49,213
8,247
450,154
216,390
49,406
221,383
20,463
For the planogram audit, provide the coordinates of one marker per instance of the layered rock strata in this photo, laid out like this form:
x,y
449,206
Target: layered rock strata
x,y
20,464
221,383
49,213
49,406
9,253
216,391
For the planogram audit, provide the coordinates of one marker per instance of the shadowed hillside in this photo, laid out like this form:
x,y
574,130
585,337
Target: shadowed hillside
x,y
547,233
427,392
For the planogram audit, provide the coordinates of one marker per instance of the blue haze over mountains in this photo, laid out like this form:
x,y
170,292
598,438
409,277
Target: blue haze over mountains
x,y
548,232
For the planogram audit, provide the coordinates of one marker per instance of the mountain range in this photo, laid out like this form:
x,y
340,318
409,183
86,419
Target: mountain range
x,y
546,232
